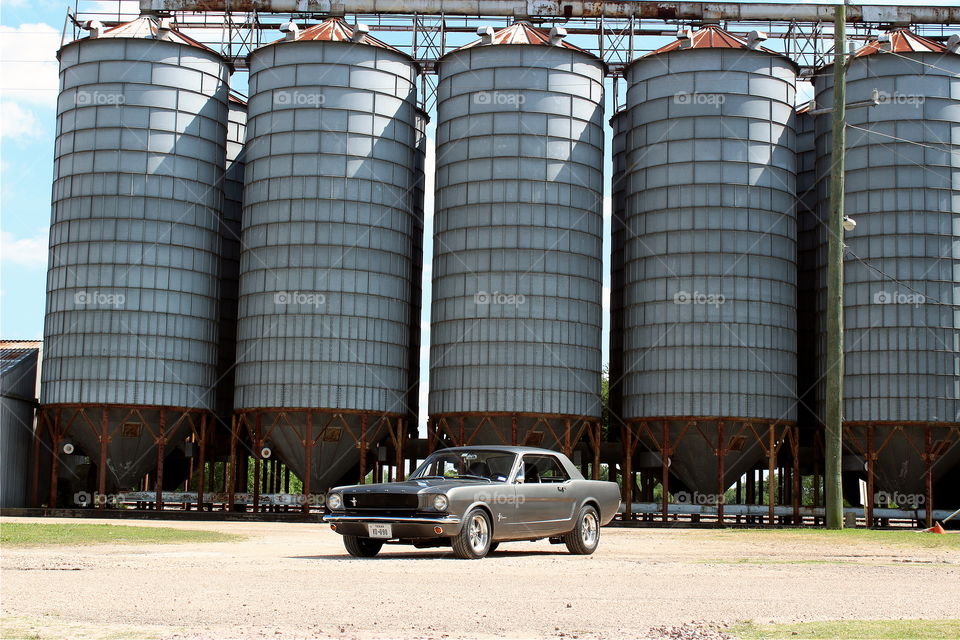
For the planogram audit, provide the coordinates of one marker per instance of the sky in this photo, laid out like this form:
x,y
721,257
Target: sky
x,y
30,34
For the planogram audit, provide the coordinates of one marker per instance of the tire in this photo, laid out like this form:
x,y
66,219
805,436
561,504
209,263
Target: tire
x,y
585,537
474,540
362,547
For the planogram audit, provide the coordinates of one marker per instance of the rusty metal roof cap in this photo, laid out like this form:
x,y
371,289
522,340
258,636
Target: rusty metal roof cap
x,y
710,36
150,28
337,30
523,33
900,40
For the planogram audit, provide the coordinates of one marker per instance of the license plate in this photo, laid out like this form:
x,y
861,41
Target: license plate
x,y
380,530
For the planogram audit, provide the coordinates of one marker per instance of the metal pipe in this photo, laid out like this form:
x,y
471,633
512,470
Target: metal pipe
x,y
644,9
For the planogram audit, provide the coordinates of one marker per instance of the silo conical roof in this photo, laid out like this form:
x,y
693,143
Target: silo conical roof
x,y
523,33
901,40
710,36
150,28
337,30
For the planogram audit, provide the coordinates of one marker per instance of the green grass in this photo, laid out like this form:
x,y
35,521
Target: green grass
x,y
40,534
852,630
54,628
849,536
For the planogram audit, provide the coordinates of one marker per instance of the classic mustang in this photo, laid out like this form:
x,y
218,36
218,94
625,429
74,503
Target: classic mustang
x,y
472,499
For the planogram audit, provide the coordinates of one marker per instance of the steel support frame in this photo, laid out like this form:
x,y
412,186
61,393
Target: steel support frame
x,y
930,451
317,425
96,418
771,436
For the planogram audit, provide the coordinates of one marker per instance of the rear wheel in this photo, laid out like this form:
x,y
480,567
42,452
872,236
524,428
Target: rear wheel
x,y
362,547
585,537
473,541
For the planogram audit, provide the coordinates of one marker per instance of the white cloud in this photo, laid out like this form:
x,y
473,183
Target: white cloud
x,y
18,122
26,252
28,63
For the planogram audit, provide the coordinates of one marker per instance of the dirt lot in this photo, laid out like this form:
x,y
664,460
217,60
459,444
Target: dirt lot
x,y
295,581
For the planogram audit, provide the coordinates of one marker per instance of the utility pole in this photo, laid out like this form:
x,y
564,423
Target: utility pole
x,y
834,364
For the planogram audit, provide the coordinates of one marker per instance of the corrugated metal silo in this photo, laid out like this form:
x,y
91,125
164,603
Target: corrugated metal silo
x,y
617,239
516,316
710,254
330,232
131,324
902,265
230,229
18,388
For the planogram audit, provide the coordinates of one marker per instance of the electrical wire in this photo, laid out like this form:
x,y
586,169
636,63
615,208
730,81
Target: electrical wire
x,y
904,140
926,299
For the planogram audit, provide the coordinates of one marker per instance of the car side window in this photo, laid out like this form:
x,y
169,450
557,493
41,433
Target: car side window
x,y
542,469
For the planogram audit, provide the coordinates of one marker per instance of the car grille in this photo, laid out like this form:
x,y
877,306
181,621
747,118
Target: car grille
x,y
392,501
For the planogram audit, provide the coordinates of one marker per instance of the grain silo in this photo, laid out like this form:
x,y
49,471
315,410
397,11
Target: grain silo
x,y
902,330
328,273
131,323
617,239
516,316
710,257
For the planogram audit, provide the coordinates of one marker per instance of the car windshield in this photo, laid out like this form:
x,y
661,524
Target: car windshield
x,y
494,466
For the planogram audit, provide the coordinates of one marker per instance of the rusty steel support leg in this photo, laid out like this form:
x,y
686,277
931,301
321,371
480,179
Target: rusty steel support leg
x,y
797,480
462,429
35,470
231,490
161,442
721,454
203,461
928,459
513,430
257,446
55,459
871,477
771,474
567,447
102,464
628,473
401,432
596,453
307,462
665,470
363,448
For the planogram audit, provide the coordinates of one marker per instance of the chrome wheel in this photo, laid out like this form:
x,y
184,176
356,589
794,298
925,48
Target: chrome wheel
x,y
589,529
479,533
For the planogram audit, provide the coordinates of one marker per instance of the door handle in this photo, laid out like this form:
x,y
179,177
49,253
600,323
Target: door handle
x,y
561,489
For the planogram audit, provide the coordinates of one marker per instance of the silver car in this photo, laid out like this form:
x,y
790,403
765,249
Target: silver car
x,y
474,498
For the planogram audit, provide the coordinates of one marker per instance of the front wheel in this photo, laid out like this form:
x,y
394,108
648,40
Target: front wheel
x,y
362,547
585,537
473,541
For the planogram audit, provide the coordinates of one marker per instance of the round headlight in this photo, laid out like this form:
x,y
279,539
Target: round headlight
x,y
334,501
440,502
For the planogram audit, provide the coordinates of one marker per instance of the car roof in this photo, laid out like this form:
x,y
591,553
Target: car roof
x,y
503,448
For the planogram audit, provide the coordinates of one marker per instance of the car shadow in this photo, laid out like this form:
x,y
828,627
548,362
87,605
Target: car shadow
x,y
417,554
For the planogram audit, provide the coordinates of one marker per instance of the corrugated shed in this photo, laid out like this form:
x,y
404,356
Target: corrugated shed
x,y
18,382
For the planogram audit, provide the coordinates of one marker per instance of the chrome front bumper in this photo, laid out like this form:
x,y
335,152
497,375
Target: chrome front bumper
x,y
403,526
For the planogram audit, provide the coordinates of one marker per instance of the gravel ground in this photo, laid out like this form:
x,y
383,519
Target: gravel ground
x,y
295,581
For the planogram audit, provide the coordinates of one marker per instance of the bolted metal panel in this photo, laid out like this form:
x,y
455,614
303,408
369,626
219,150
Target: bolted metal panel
x,y
808,228
230,229
516,313
18,387
618,237
332,229
134,241
902,338
710,250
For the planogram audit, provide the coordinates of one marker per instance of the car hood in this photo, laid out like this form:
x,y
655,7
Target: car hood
x,y
434,485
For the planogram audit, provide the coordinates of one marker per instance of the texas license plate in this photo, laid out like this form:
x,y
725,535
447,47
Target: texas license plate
x,y
380,530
